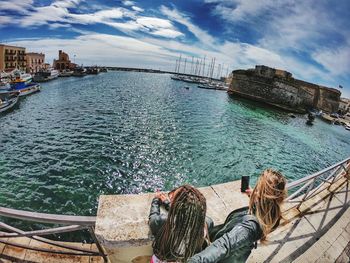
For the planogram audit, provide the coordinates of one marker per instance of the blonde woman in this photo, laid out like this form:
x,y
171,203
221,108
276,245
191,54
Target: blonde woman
x,y
234,240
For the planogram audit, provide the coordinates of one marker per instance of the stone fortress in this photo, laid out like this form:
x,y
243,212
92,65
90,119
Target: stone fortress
x,y
279,88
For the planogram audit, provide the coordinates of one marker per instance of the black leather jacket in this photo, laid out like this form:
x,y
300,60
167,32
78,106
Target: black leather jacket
x,y
234,240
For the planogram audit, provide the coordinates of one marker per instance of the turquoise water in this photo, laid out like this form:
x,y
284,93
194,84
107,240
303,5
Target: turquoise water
x,y
119,132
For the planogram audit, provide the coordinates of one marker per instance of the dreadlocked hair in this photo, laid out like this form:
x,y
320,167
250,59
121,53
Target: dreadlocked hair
x,y
266,199
182,235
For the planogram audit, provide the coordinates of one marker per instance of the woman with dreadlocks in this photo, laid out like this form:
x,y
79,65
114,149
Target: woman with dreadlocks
x,y
234,240
183,232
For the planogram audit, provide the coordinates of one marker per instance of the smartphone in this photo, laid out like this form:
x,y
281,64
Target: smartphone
x,y
245,183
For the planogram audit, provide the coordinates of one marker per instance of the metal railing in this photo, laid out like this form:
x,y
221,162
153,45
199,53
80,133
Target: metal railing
x,y
302,190
70,224
307,187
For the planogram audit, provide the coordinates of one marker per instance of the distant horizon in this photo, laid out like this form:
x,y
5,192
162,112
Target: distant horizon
x,y
310,39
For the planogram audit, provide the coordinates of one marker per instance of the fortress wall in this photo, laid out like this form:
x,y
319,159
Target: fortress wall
x,y
271,91
277,87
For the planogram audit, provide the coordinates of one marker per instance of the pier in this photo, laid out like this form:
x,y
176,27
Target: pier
x,y
315,228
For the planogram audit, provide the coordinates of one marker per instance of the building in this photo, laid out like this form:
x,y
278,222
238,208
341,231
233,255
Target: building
x,y
279,88
344,106
35,62
63,61
12,57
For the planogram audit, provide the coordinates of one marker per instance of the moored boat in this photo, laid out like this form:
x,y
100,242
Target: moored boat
x,y
79,72
8,99
46,75
66,73
5,86
22,76
93,70
25,89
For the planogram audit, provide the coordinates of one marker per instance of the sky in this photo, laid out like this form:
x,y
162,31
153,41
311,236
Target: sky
x,y
309,38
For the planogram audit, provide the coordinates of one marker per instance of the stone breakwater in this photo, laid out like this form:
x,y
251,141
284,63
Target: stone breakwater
x,y
278,88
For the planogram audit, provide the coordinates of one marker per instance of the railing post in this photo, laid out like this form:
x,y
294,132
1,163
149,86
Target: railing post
x,y
307,192
98,245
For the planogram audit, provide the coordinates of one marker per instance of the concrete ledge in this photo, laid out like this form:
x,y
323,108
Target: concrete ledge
x,y
122,220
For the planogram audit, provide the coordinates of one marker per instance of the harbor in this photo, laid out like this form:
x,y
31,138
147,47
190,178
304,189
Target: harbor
x,y
174,131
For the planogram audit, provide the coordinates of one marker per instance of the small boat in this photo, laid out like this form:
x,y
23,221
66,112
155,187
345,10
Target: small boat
x,y
92,70
5,86
187,87
291,115
22,76
66,73
103,69
46,75
79,72
8,99
347,127
25,89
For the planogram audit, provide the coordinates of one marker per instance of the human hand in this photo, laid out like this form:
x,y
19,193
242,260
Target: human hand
x,y
248,191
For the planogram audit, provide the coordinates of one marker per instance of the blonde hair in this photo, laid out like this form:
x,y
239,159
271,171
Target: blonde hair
x,y
266,199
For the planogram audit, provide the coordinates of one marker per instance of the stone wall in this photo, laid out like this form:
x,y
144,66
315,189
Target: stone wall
x,y
279,88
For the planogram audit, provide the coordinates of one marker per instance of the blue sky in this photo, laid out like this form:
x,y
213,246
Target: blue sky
x,y
309,38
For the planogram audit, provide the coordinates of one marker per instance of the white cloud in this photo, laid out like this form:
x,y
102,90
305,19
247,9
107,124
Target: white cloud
x,y
58,15
4,20
237,10
15,5
102,16
137,9
153,22
177,16
102,49
336,61
128,3
166,32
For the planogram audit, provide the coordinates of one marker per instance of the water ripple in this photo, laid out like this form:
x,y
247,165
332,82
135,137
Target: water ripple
x,y
121,133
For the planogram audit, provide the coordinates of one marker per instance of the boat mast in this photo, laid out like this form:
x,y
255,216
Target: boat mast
x,y
185,66
175,65
204,65
213,68
192,66
178,70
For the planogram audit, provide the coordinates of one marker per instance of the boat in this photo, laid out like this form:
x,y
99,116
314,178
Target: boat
x,y
66,73
326,117
25,89
5,77
5,86
8,99
79,72
92,70
20,75
347,127
46,75
103,69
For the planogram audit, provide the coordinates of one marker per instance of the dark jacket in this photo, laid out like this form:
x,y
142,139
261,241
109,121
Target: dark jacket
x,y
156,219
234,239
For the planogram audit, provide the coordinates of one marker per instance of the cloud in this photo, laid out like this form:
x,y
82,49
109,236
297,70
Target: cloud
x,y
175,15
94,48
4,20
58,15
137,9
238,10
128,3
336,61
15,5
